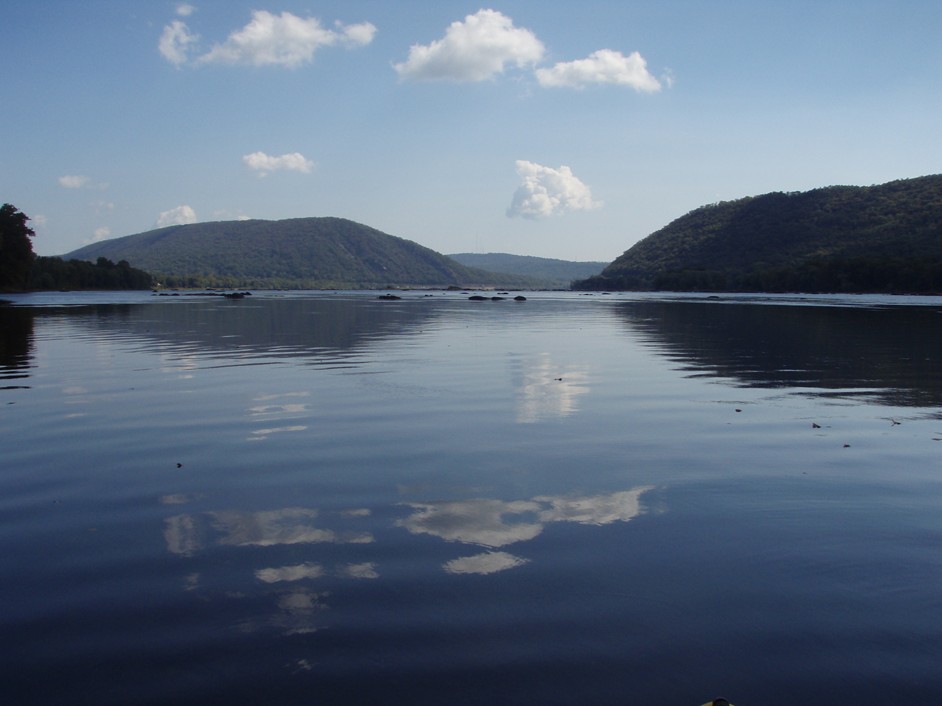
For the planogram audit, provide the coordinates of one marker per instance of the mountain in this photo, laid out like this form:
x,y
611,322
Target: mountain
x,y
885,238
549,272
308,253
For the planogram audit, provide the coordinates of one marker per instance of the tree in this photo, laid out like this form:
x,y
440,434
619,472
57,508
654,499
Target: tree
x,y
16,250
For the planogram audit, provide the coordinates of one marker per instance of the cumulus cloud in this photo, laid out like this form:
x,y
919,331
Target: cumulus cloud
x,y
265,164
284,40
176,42
546,192
181,215
476,49
101,234
602,66
185,10
359,34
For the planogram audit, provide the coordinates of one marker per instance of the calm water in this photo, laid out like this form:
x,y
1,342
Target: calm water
x,y
330,499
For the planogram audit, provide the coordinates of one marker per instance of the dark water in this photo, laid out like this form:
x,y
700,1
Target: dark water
x,y
332,499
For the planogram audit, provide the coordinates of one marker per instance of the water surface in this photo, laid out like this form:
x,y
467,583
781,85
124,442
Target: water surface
x,y
328,498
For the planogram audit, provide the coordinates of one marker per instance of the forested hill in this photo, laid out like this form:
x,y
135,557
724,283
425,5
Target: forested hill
x,y
885,238
549,271
295,253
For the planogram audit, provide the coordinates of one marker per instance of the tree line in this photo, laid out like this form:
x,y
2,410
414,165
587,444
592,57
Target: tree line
x,y
52,273
852,275
22,270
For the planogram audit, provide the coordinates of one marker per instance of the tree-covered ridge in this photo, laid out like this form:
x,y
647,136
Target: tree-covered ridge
x,y
297,253
548,272
885,238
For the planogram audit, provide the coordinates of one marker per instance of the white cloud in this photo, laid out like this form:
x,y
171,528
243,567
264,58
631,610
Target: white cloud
x,y
603,66
80,181
175,42
181,215
473,50
264,163
284,40
359,34
74,181
545,192
101,234
185,10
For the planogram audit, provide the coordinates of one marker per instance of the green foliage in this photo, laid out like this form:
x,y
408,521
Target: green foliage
x,y
53,273
307,253
16,249
885,238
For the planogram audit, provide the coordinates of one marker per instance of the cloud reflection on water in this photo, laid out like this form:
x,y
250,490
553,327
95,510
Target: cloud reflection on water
x,y
270,411
309,570
486,563
187,534
481,522
260,434
544,392
489,523
497,523
298,612
297,572
297,609
287,526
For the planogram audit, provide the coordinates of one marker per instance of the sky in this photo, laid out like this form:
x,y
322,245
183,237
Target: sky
x,y
567,130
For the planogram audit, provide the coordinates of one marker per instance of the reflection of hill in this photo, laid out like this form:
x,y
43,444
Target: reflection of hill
x,y
893,353
260,327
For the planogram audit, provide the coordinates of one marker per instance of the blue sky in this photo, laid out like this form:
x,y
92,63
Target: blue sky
x,y
557,129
